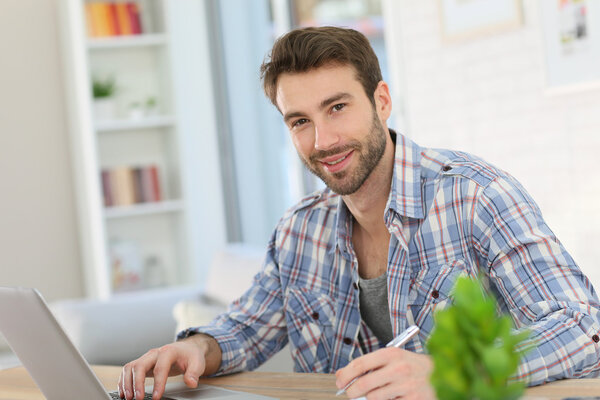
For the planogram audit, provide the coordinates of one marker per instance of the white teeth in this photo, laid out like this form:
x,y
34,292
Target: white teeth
x,y
337,161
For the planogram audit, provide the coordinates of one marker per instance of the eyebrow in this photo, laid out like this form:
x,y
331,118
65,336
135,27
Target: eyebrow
x,y
326,102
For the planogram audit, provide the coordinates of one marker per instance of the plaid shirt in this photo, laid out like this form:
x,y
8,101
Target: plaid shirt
x,y
449,214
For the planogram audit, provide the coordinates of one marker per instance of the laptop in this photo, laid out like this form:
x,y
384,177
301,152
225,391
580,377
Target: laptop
x,y
57,367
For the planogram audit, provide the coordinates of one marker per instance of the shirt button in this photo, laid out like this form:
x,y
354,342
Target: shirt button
x,y
315,315
355,285
446,168
595,338
347,341
435,294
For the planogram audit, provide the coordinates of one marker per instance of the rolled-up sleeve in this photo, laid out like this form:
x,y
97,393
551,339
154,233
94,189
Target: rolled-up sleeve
x,y
539,284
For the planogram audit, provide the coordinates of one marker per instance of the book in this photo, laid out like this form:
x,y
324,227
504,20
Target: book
x,y
150,184
147,192
113,20
107,26
106,188
128,185
89,20
138,189
156,189
100,19
106,19
123,18
134,18
123,186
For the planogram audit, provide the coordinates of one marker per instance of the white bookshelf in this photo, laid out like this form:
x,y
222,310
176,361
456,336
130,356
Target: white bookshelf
x,y
163,207
111,43
167,63
161,121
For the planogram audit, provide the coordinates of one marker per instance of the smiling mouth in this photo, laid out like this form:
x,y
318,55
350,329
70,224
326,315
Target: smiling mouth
x,y
339,160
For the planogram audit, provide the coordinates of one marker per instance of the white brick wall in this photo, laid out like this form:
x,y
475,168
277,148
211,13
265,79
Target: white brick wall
x,y
486,96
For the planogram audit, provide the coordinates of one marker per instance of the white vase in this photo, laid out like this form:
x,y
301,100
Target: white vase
x,y
104,108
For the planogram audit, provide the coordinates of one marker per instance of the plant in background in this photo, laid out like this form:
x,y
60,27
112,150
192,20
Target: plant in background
x,y
150,103
135,110
474,351
103,88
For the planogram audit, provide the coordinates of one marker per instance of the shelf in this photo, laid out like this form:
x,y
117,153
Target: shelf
x,y
136,210
130,41
162,121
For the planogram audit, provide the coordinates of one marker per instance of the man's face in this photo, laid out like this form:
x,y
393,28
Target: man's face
x,y
336,130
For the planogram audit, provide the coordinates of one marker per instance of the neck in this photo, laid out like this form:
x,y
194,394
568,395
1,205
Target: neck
x,y
367,204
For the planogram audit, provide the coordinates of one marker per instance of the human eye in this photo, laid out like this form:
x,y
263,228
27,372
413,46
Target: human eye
x,y
299,122
338,107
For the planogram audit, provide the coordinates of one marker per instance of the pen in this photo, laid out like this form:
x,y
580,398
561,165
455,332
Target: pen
x,y
396,342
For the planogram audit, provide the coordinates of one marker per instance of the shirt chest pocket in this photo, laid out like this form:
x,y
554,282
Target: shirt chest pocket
x,y
432,290
310,320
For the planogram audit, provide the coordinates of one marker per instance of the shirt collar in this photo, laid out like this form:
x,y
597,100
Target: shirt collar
x,y
405,194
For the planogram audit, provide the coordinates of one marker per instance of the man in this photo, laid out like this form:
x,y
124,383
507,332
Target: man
x,y
353,265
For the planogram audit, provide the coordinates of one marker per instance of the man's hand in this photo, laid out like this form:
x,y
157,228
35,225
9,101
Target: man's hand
x,y
395,373
194,356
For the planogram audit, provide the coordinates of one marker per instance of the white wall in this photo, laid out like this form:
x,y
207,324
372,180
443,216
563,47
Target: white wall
x,y
38,234
486,96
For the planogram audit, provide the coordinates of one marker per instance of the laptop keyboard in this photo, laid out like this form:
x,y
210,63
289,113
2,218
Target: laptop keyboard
x,y
115,396
147,396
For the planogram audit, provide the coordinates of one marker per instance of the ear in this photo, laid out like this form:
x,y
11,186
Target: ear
x,y
383,101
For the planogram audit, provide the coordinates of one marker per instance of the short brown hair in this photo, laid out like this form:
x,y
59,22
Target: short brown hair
x,y
304,49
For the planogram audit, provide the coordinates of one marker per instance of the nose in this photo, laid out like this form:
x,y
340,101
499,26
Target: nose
x,y
326,136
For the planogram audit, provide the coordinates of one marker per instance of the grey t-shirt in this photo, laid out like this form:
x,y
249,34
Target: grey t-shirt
x,y
374,309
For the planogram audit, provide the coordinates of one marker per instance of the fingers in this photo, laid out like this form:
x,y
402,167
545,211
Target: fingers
x,y
134,375
194,371
139,379
165,363
391,373
378,384
360,366
125,381
173,359
385,383
367,383
120,384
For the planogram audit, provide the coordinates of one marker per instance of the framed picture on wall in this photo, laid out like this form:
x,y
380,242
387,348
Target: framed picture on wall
x,y
465,19
571,31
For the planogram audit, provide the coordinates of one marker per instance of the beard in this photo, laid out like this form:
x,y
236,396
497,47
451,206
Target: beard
x,y
369,153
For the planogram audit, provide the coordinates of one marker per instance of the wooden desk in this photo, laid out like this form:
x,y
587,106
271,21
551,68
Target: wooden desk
x,y
15,384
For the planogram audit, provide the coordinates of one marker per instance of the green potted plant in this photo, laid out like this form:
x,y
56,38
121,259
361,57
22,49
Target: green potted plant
x,y
103,91
139,109
151,105
475,351
135,111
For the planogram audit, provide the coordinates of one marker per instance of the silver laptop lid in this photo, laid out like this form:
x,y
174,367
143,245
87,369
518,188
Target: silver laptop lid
x,y
54,363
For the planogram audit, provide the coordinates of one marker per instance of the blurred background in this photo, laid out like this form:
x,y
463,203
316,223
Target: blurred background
x,y
136,142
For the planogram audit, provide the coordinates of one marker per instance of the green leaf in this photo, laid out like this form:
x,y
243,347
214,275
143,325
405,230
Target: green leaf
x,y
497,363
474,350
103,88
